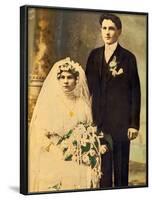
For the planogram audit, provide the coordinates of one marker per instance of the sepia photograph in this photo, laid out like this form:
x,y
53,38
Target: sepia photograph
x,y
84,100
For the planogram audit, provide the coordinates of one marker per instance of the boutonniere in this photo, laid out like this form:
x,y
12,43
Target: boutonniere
x,y
113,65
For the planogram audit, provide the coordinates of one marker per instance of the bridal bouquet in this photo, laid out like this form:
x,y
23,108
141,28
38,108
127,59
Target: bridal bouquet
x,y
81,144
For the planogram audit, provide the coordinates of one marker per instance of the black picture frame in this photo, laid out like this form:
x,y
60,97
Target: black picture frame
x,y
24,98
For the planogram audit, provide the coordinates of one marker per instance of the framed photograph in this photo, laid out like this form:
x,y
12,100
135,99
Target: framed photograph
x,y
84,99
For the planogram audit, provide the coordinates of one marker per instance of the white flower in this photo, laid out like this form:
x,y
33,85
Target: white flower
x,y
85,135
113,63
72,149
85,158
76,135
92,129
97,159
115,73
92,152
92,140
81,128
120,71
101,134
79,132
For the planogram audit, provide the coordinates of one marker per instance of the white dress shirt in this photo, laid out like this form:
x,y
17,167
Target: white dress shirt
x,y
109,50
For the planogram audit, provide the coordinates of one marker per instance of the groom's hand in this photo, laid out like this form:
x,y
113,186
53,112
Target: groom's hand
x,y
132,133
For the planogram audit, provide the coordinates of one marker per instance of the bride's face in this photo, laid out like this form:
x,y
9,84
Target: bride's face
x,y
67,81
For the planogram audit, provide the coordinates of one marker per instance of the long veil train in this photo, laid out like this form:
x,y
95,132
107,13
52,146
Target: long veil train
x,y
47,168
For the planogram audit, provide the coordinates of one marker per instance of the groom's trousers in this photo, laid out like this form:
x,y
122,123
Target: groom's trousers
x,y
115,165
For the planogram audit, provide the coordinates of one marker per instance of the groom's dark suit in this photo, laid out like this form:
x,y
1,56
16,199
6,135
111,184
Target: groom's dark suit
x,y
115,106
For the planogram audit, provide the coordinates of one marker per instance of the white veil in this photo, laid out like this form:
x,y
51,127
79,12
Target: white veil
x,y
51,93
47,116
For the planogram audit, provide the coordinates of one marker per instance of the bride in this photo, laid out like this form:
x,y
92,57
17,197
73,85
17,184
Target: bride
x,y
63,102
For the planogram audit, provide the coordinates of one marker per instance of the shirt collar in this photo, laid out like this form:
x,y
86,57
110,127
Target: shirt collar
x,y
111,47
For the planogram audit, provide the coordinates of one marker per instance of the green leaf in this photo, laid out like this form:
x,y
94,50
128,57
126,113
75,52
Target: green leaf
x,y
75,143
69,133
64,150
69,157
92,161
65,137
59,142
85,148
56,187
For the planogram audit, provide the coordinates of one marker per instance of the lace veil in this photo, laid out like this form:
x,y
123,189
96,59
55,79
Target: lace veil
x,y
47,115
51,93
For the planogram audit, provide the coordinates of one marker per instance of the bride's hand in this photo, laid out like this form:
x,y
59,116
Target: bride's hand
x,y
103,149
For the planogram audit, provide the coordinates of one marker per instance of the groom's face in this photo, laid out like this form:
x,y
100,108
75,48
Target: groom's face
x,y
110,33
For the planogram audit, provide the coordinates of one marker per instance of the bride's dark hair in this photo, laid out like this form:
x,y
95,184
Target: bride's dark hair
x,y
67,68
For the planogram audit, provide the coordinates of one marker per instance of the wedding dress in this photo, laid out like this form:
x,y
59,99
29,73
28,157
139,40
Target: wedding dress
x,y
56,113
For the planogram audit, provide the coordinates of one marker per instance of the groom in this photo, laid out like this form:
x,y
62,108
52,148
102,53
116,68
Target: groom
x,y
114,84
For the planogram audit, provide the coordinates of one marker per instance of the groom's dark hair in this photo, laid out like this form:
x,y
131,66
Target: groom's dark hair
x,y
115,19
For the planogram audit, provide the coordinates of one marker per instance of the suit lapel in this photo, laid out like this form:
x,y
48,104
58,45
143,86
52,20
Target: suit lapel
x,y
115,53
104,68
100,60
